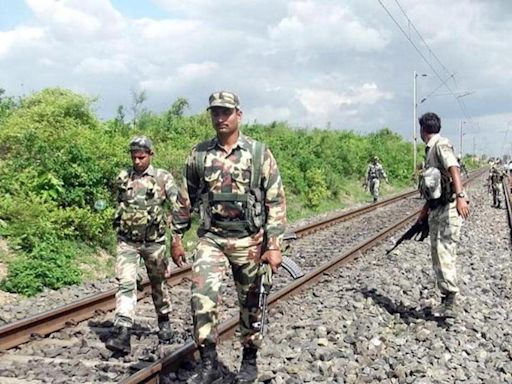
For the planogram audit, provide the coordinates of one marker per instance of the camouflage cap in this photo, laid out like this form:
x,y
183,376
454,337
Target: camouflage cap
x,y
141,143
223,99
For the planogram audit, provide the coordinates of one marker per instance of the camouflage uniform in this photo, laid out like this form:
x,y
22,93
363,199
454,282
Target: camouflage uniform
x,y
444,220
141,225
374,173
462,166
495,180
237,246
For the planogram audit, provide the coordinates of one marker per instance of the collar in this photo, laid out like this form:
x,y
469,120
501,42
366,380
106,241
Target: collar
x,y
433,140
242,142
150,171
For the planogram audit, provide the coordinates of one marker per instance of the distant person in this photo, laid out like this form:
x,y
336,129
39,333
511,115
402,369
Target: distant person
x,y
143,193
445,207
497,174
374,173
236,182
462,166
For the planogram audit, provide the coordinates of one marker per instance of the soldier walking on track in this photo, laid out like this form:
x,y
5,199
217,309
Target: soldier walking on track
x,y
143,192
236,182
495,182
445,208
462,166
374,173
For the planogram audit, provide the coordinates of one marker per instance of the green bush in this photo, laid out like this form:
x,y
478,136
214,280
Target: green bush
x,y
57,159
48,265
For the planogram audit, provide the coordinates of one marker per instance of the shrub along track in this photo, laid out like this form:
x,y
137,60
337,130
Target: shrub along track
x,y
78,354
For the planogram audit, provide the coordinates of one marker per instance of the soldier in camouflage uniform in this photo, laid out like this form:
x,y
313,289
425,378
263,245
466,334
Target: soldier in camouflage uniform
x,y
374,173
445,208
242,227
495,182
142,192
462,166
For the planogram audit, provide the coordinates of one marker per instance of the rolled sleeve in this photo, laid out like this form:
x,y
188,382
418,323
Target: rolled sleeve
x,y
181,214
275,202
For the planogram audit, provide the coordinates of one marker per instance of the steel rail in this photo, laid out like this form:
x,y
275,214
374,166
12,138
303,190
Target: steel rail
x,y
21,331
506,192
151,374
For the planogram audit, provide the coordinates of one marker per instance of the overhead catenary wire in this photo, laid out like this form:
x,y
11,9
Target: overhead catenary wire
x,y
460,103
421,38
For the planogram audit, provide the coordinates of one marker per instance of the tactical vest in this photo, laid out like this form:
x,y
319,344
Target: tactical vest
x,y
496,175
254,215
140,217
373,172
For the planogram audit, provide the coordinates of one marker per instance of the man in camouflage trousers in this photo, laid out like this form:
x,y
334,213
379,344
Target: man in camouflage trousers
x,y
445,208
374,173
242,226
495,182
142,193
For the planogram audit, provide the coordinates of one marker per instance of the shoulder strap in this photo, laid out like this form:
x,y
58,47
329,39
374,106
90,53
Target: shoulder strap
x,y
257,151
199,158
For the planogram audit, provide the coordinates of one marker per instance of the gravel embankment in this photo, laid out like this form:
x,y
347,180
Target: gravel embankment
x,y
19,307
370,322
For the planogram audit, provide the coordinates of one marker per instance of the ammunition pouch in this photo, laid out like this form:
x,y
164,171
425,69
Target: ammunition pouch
x,y
248,223
141,224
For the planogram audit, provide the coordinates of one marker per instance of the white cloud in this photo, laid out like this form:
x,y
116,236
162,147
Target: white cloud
x,y
184,75
313,25
74,18
174,30
193,71
93,65
267,113
20,38
308,62
322,102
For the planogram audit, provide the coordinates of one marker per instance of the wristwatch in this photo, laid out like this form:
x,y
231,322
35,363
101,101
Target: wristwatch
x,y
461,195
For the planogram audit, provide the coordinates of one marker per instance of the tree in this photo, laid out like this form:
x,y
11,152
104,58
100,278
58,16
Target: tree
x,y
138,98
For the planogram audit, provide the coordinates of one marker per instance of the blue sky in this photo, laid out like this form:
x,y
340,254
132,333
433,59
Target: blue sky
x,y
13,13
321,63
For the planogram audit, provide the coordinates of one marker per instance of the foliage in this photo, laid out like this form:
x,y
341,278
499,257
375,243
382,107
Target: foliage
x,y
57,159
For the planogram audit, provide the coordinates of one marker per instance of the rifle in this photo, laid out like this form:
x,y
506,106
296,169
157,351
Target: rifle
x,y
365,186
264,285
419,231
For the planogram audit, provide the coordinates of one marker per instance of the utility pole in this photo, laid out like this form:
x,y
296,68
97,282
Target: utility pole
x,y
414,106
460,147
415,119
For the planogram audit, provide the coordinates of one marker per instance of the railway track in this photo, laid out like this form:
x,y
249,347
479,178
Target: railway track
x,y
507,186
170,362
16,333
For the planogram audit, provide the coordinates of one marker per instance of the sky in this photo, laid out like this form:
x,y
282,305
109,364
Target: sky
x,y
313,63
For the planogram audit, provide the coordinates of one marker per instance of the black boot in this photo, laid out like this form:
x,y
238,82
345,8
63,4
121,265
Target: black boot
x,y
447,308
165,331
210,372
450,309
120,342
248,372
